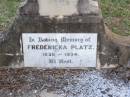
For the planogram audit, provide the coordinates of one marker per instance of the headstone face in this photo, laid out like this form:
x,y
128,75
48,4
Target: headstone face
x,y
60,50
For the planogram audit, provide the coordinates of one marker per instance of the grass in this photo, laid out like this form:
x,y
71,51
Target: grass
x,y
117,15
7,12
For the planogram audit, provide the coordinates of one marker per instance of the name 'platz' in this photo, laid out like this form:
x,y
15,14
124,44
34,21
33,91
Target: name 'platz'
x,y
59,47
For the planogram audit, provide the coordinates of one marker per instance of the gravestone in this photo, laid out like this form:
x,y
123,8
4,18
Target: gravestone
x,y
83,16
83,22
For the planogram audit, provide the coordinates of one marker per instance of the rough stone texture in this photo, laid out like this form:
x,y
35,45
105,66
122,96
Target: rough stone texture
x,y
67,7
110,53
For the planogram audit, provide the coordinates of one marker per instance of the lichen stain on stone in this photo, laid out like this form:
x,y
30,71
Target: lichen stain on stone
x,y
57,7
67,7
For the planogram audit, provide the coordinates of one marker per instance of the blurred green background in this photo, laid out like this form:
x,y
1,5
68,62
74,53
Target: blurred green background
x,y
8,10
116,14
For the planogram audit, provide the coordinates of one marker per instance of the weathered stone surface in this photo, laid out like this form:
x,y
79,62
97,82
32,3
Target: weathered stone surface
x,y
116,47
67,7
111,52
